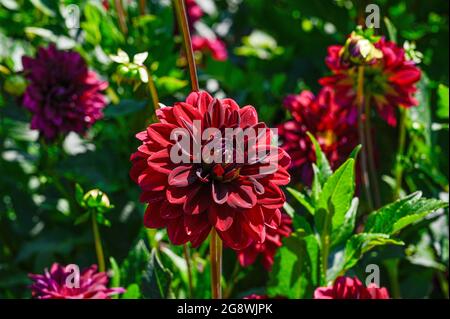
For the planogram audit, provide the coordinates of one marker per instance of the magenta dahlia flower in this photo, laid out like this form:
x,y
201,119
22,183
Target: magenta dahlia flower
x,y
59,283
350,288
194,12
215,47
63,95
390,81
229,188
268,248
324,118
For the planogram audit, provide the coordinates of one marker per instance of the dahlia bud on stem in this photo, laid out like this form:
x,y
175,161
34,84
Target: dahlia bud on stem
x,y
215,249
98,244
183,26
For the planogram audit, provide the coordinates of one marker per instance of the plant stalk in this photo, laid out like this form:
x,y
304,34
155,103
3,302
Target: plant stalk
x,y
98,244
371,156
121,16
152,89
189,269
363,158
401,150
215,252
183,26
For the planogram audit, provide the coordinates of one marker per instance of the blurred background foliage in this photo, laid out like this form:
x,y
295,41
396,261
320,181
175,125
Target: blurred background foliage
x,y
275,47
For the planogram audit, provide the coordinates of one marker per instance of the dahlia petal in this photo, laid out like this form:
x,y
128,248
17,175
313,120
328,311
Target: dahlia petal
x,y
152,216
408,75
182,176
249,116
221,217
219,192
241,196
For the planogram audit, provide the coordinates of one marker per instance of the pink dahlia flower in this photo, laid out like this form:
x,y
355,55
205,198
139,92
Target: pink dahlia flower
x,y
63,95
350,288
390,81
215,47
56,284
240,199
324,118
194,12
268,248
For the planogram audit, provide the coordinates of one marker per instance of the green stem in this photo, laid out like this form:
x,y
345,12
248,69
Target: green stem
x,y
401,150
233,280
325,246
98,244
370,155
215,252
392,269
152,90
443,282
189,269
183,26
363,158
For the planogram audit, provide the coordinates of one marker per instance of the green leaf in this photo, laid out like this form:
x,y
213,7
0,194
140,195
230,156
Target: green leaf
x,y
156,279
321,161
355,152
392,30
171,84
361,243
442,103
316,186
125,107
335,198
302,199
395,216
133,267
295,272
133,292
115,279
83,218
44,8
342,233
79,193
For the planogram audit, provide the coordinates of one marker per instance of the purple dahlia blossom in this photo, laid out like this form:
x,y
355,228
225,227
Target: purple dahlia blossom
x,y
62,94
60,283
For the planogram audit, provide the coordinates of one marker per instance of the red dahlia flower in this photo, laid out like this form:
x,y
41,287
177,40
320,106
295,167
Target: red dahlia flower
x,y
390,81
216,47
63,94
323,118
350,288
240,199
60,283
269,247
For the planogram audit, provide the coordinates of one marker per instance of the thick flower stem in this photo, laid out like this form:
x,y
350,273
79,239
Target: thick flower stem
x,y
215,251
189,269
362,140
183,26
98,244
142,7
121,16
371,156
401,150
152,89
